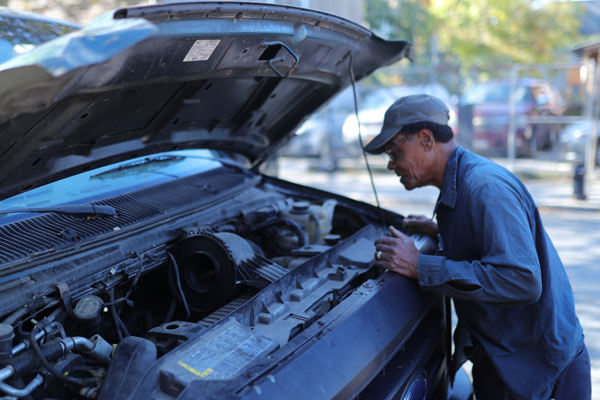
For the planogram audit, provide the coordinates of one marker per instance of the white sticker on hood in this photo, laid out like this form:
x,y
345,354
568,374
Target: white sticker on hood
x,y
201,50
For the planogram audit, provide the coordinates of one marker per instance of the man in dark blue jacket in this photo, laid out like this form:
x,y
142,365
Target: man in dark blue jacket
x,y
509,286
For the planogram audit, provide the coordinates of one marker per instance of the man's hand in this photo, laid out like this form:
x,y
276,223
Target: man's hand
x,y
397,253
420,224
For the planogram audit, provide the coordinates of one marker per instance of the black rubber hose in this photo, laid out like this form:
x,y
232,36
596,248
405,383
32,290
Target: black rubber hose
x,y
287,222
135,280
57,315
16,316
116,302
171,312
113,314
67,379
124,330
68,307
178,281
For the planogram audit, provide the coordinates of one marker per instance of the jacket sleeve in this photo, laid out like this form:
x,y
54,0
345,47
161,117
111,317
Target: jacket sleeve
x,y
508,272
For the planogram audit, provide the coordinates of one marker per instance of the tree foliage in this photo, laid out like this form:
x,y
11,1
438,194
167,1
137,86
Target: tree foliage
x,y
486,32
403,19
477,35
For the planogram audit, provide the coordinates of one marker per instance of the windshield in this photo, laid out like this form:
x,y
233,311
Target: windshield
x,y
496,93
113,180
18,35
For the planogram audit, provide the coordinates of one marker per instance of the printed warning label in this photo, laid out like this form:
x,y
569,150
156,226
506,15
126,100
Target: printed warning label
x,y
201,50
223,356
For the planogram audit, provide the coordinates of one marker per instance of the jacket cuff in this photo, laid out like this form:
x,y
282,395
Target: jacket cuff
x,y
430,270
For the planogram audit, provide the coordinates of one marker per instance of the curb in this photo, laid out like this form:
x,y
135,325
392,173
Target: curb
x,y
529,175
568,208
522,175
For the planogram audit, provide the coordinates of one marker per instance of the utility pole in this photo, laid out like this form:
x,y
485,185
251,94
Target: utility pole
x,y
511,139
595,114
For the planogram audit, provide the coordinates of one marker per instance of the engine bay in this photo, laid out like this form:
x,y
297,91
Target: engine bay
x,y
202,293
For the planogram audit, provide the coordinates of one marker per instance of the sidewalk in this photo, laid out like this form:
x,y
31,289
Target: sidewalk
x,y
558,194
550,183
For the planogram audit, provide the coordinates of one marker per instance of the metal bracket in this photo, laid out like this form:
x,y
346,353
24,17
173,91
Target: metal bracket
x,y
282,58
62,289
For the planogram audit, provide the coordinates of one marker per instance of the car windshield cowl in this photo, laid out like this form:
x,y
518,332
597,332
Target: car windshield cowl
x,y
91,187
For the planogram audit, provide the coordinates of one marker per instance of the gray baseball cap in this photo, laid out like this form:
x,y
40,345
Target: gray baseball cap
x,y
408,110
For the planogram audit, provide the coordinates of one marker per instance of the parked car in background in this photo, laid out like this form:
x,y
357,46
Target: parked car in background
x,y
133,213
320,136
21,31
488,110
376,103
573,142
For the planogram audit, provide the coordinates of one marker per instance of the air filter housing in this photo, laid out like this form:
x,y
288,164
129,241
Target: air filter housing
x,y
213,267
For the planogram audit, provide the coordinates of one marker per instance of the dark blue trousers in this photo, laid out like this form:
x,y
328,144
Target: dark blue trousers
x,y
574,383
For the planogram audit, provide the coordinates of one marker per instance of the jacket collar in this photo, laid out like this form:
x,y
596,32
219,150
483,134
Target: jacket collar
x,y
449,190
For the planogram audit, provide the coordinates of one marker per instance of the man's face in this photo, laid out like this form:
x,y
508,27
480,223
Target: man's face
x,y
409,160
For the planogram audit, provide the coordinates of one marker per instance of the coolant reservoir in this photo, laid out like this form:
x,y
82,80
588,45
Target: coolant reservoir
x,y
313,218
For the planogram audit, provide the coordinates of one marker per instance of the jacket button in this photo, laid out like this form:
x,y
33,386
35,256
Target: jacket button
x,y
429,281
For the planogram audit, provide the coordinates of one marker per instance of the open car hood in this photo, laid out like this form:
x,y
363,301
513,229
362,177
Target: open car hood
x,y
229,76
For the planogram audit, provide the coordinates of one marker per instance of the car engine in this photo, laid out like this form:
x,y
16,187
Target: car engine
x,y
202,285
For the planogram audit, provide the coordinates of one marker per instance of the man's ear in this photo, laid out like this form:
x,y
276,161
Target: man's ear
x,y
425,138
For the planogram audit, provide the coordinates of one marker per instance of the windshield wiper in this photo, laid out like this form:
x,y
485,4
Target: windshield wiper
x,y
76,210
145,161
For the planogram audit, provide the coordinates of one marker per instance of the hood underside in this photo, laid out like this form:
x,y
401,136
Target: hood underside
x,y
139,81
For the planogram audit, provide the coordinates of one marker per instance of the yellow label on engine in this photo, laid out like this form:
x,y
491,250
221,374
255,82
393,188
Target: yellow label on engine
x,y
202,374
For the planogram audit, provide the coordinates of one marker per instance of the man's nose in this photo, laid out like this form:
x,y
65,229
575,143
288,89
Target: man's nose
x,y
391,166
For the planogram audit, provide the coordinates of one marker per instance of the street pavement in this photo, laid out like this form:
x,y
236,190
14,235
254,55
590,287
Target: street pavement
x,y
550,184
573,225
576,236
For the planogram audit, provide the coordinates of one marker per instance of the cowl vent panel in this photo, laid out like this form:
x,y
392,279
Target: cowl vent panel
x,y
49,232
